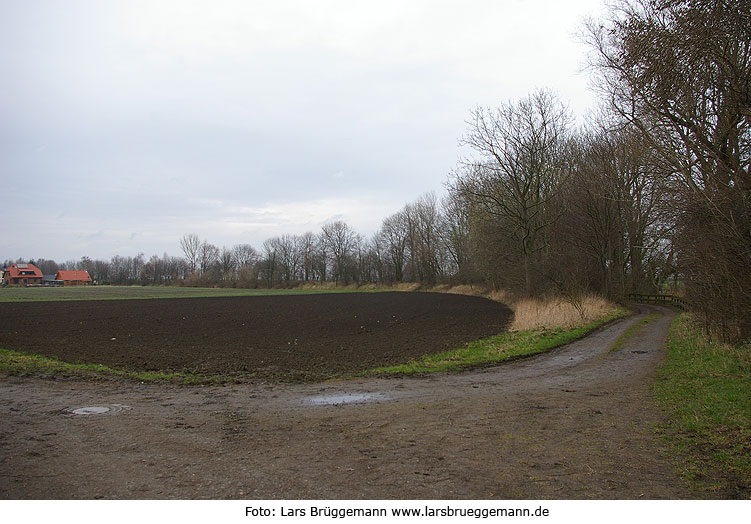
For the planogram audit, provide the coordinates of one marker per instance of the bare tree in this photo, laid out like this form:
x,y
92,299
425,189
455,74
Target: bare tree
x,y
376,259
268,266
152,271
358,259
227,263
208,256
338,240
174,268
191,246
119,270
613,217
245,255
246,261
521,163
288,256
320,259
306,246
101,271
48,267
454,232
394,234
136,263
422,224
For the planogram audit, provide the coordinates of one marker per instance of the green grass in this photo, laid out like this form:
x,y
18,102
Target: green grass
x,y
18,363
498,348
50,294
704,389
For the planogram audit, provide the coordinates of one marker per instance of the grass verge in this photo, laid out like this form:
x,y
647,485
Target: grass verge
x,y
23,364
704,389
498,348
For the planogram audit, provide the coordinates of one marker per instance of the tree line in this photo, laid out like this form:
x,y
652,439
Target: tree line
x,y
653,193
677,74
416,244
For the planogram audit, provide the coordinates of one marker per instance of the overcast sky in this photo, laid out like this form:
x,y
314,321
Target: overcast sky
x,y
126,125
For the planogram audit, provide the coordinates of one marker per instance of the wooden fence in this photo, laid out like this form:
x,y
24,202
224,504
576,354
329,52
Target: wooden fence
x,y
662,300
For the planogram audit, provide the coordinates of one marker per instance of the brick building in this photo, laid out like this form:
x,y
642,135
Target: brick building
x,y
21,274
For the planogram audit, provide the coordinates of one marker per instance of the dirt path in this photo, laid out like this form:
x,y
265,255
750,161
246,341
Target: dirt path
x,y
574,423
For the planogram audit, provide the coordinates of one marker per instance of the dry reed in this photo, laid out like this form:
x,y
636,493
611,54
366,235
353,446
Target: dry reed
x,y
551,312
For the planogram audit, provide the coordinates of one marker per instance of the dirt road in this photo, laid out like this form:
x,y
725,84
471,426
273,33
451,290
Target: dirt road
x,y
574,423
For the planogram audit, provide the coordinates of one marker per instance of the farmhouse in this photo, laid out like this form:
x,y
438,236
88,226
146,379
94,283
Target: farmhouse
x,y
73,278
22,274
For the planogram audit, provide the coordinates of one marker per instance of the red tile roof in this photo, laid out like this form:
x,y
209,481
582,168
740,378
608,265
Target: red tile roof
x,y
78,276
23,271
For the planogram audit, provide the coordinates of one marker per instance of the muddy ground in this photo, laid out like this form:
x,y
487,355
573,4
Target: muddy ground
x,y
303,336
578,422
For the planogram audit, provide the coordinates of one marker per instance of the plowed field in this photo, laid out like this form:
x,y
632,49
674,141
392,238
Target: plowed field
x,y
301,336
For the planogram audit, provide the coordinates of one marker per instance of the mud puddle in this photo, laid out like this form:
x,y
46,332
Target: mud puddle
x,y
346,398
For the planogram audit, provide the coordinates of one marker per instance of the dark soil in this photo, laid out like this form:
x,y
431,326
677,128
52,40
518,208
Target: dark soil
x,y
278,336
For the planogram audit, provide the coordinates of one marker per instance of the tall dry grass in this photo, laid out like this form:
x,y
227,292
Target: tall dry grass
x,y
542,312
552,312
